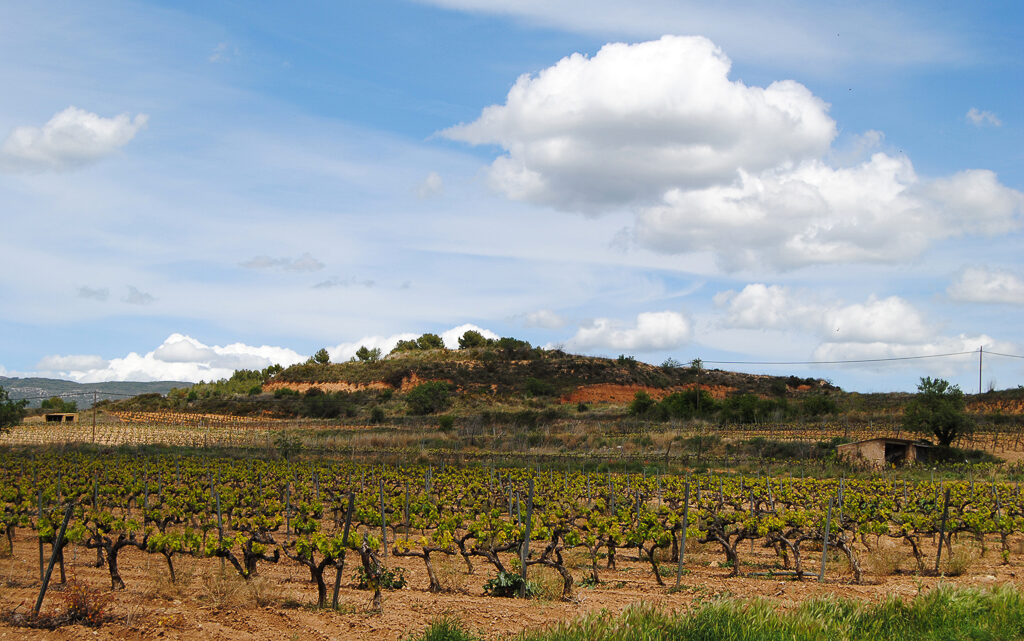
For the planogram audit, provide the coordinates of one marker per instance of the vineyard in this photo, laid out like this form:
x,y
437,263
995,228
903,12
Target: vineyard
x,y
503,525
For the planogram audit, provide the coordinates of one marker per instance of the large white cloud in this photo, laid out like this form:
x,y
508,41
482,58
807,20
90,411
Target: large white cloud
x,y
983,285
877,211
877,328
636,120
652,331
760,306
178,358
709,164
73,137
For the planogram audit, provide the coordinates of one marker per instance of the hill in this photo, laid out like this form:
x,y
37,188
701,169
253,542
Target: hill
x,y
36,389
502,378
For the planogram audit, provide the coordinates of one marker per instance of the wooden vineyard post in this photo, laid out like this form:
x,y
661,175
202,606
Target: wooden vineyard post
x,y
406,514
220,528
524,551
383,522
57,542
824,540
682,537
339,565
942,531
41,570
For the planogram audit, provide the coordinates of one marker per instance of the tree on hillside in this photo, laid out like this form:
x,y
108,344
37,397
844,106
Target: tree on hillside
x,y
58,404
430,341
11,412
473,338
938,409
322,357
368,355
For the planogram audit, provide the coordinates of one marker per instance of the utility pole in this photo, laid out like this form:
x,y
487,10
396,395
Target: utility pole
x,y
94,417
981,350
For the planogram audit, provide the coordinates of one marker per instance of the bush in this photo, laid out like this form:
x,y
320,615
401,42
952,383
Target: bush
x,y
507,584
377,415
446,423
428,398
11,412
819,405
642,404
83,604
538,387
57,404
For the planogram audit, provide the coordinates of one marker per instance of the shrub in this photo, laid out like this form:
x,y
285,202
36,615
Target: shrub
x,y
642,403
377,415
428,398
83,604
538,387
11,412
446,423
507,584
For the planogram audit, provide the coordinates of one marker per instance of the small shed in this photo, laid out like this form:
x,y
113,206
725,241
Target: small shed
x,y
61,417
882,451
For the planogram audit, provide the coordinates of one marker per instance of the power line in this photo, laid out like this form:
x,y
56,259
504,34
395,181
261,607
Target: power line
x,y
841,362
1006,355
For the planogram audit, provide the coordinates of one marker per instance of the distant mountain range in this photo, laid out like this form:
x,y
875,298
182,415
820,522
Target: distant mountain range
x,y
37,389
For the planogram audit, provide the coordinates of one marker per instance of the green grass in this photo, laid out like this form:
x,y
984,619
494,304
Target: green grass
x,y
945,613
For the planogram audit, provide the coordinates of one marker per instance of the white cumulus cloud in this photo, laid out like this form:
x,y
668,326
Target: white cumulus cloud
x,y
73,137
888,327
709,164
638,119
983,285
178,358
878,211
652,331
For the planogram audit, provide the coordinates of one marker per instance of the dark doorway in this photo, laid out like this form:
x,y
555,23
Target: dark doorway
x,y
895,453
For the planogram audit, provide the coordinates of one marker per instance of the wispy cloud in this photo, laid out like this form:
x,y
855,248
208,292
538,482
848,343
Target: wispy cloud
x,y
982,118
137,297
304,263
99,293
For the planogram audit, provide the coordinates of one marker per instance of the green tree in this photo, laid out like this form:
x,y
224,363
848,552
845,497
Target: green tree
x,y
430,341
58,404
11,412
473,338
322,357
938,409
367,355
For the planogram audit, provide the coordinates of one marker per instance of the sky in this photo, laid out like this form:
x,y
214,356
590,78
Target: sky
x,y
189,188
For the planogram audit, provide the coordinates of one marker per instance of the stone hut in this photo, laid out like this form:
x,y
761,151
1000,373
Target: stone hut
x,y
882,451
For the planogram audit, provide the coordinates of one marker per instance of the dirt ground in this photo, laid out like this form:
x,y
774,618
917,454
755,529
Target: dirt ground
x,y
280,603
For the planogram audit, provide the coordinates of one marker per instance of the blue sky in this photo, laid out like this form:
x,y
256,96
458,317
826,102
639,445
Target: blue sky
x,y
186,188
